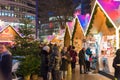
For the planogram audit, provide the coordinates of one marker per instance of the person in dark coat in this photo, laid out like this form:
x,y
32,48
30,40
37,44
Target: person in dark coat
x,y
66,59
116,65
55,62
44,62
81,56
5,63
73,55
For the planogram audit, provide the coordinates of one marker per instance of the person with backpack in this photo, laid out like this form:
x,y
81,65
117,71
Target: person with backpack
x,y
55,62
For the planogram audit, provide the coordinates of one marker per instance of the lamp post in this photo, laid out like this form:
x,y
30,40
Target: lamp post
x,y
37,22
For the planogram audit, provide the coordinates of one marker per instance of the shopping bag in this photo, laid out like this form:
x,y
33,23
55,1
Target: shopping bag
x,y
49,76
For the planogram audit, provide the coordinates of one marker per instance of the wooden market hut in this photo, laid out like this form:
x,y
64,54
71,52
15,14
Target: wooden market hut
x,y
8,34
67,37
77,36
100,22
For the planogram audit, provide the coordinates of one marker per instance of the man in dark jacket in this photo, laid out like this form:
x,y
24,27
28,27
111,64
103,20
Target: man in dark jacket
x,y
5,63
81,56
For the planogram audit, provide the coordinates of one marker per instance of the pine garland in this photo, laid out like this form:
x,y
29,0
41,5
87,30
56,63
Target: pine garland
x,y
92,18
66,38
76,22
108,23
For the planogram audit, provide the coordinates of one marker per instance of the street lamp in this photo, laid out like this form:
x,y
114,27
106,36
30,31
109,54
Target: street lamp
x,y
37,22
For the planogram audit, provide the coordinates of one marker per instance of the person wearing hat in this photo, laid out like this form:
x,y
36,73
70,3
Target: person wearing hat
x,y
44,62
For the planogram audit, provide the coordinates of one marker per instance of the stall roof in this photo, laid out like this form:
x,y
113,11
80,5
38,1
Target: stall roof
x,y
100,21
112,8
12,29
8,34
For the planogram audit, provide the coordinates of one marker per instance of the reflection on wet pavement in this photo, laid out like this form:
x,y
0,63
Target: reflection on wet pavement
x,y
88,76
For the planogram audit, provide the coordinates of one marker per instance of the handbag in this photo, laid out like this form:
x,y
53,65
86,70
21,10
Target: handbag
x,y
49,76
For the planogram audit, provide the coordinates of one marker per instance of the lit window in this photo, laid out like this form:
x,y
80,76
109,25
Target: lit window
x,y
12,14
9,14
5,13
2,13
15,15
7,7
12,8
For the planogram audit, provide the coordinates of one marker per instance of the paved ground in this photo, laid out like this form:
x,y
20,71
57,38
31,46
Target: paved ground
x,y
89,76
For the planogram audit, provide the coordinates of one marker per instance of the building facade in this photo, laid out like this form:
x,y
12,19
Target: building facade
x,y
13,10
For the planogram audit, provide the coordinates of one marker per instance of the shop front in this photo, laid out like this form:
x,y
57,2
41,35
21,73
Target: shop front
x,y
103,39
103,47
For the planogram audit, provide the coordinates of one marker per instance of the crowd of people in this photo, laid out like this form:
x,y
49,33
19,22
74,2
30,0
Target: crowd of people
x,y
55,61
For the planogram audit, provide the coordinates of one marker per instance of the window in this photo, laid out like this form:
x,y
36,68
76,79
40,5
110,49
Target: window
x,y
12,8
2,13
7,7
2,7
12,14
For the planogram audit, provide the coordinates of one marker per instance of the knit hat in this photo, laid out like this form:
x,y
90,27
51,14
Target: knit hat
x,y
46,48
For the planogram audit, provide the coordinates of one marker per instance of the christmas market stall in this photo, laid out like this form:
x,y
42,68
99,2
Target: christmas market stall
x,y
101,34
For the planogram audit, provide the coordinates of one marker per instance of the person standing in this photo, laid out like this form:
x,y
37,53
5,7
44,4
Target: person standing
x,y
73,55
116,65
5,63
44,62
55,62
81,56
65,60
94,62
87,58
